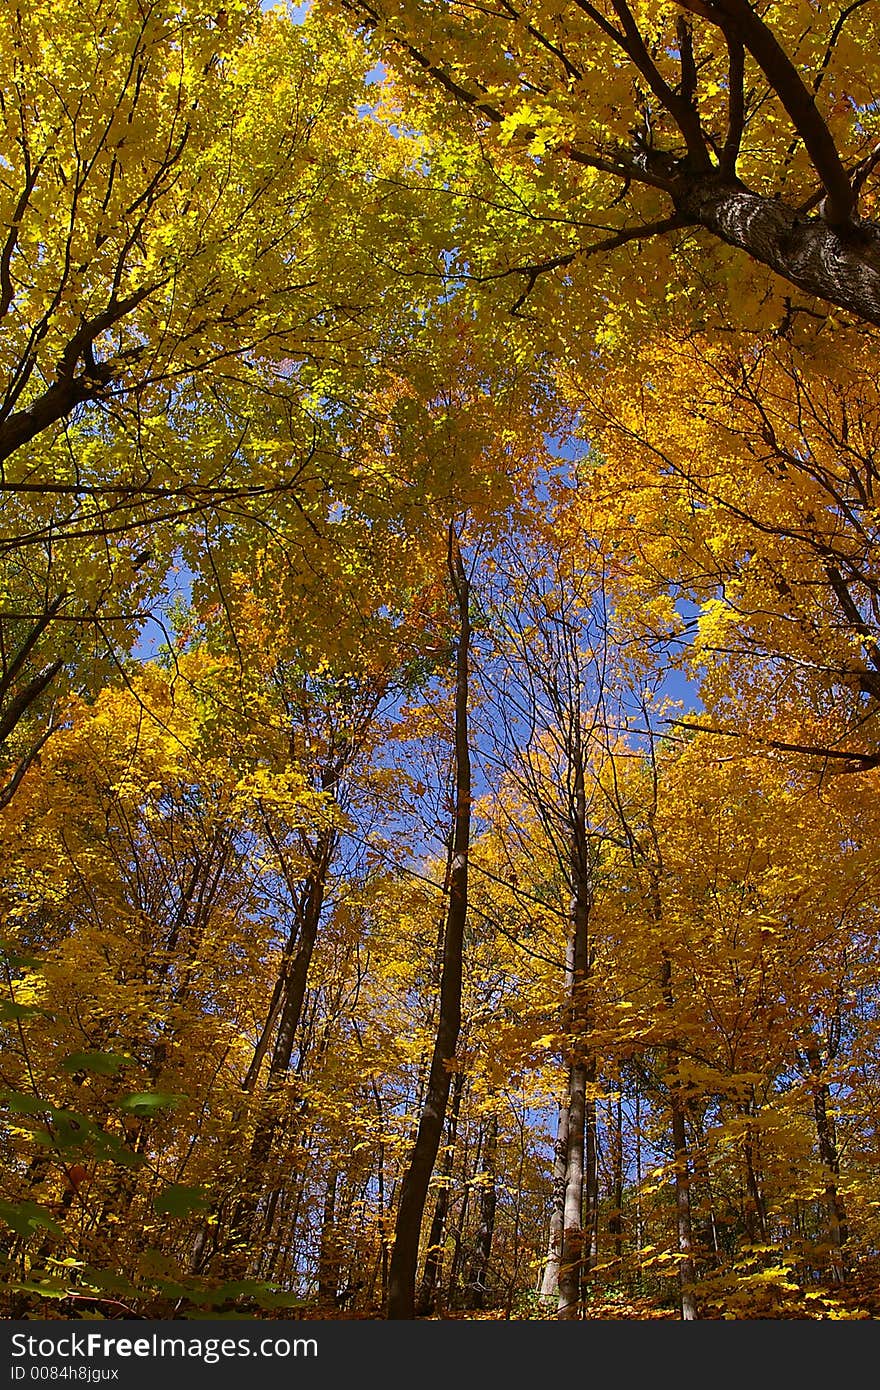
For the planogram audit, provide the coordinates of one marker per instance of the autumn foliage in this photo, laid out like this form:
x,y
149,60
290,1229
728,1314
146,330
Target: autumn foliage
x,y
439,665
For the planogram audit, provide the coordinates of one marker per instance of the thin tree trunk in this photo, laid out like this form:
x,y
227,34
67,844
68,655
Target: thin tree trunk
x,y
756,1208
477,1281
458,1253
838,1229
683,1223
328,1255
703,1173
296,977
640,1226
591,1183
581,1067
434,1256
549,1293
414,1185
615,1220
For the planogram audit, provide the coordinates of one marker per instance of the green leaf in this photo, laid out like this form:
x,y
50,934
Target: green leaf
x,y
16,961
67,1131
27,1217
107,1281
101,1063
146,1103
10,1012
44,1290
180,1200
22,1104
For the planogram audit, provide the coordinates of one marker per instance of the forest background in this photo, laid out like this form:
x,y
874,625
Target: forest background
x,y
439,670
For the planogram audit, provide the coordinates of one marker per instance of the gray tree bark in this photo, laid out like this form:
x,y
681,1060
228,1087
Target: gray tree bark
x,y
582,1068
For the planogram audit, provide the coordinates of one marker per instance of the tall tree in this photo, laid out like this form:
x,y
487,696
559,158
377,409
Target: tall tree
x,y
415,1181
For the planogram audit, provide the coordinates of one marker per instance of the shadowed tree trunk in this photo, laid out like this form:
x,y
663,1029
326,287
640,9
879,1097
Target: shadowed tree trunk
x,y
615,1220
296,971
582,1068
328,1257
477,1281
678,1108
434,1256
414,1185
838,1230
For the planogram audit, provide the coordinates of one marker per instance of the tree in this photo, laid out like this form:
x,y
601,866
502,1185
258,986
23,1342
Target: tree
x,y
759,462
325,917
191,307
414,1185
634,122
546,681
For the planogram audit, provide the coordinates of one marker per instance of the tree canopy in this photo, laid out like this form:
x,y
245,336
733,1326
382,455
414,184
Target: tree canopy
x,y
439,667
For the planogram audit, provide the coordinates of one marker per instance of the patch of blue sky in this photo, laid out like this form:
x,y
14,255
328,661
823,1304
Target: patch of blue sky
x,y
157,622
297,12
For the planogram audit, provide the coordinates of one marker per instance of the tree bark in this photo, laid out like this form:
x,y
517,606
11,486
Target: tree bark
x,y
295,978
328,1256
582,1068
434,1255
569,1280
838,1229
477,1281
549,1294
841,266
683,1222
591,1183
833,255
615,1220
414,1185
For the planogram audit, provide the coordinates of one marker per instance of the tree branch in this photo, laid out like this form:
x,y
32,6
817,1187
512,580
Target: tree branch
x,y
798,101
852,760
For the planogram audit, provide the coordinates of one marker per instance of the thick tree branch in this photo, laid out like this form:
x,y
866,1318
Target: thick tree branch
x,y
736,107
30,642
69,389
23,701
852,760
688,64
807,252
682,111
799,102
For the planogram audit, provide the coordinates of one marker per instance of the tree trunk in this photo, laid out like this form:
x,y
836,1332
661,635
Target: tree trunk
x,y
572,1229
686,1271
328,1255
703,1176
296,972
459,1255
477,1281
414,1185
582,1069
591,1184
678,1107
756,1208
838,1229
840,266
434,1256
615,1220
549,1294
